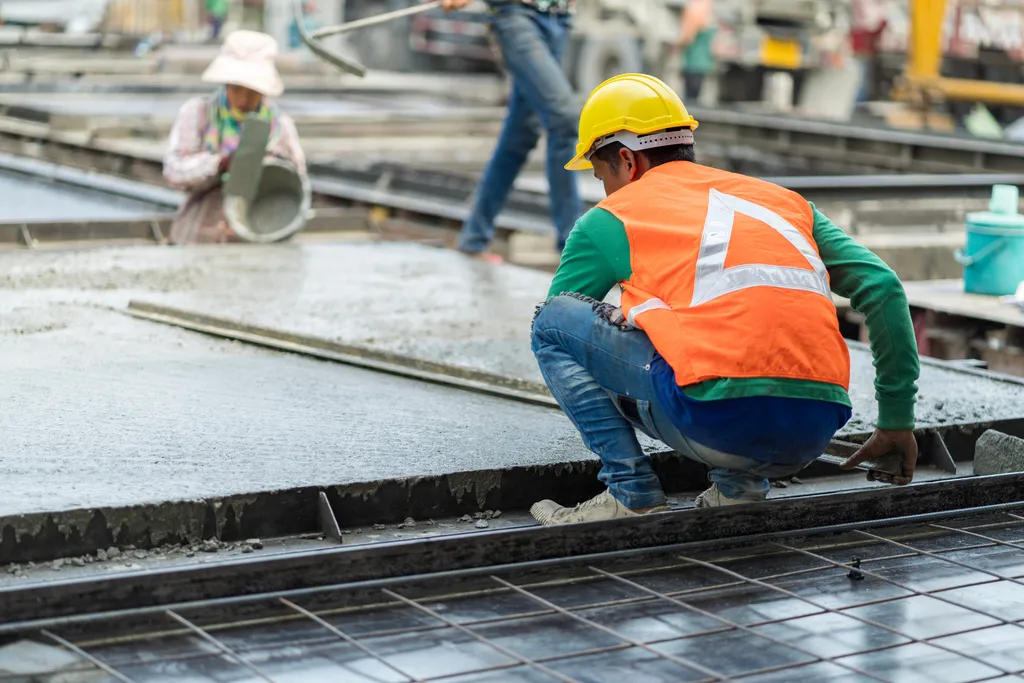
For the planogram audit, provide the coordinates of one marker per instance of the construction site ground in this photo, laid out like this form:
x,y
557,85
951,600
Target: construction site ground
x,y
184,427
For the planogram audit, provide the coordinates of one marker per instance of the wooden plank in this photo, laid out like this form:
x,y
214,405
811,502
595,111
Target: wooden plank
x,y
948,296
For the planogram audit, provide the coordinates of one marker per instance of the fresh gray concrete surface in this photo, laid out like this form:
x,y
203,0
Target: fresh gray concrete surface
x,y
440,306
28,198
101,409
125,412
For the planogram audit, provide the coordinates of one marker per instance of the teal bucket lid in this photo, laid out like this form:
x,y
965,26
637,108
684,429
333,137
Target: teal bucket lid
x,y
1002,210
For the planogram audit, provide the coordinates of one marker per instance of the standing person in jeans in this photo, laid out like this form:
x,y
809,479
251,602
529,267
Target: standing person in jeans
x,y
533,35
696,36
217,12
727,344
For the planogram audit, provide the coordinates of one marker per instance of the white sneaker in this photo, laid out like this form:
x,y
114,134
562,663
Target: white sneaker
x,y
713,498
600,507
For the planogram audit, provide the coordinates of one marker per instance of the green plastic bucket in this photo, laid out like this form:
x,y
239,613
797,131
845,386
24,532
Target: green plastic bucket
x,y
993,257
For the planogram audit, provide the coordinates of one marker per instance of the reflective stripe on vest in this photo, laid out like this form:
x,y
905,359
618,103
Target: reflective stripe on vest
x,y
713,279
649,305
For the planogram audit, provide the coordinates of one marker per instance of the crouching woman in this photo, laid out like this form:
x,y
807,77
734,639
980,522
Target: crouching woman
x,y
207,132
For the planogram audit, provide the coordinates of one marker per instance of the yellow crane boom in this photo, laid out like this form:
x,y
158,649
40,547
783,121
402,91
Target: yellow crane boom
x,y
922,83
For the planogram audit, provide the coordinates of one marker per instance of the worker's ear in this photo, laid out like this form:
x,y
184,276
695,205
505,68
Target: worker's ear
x,y
629,161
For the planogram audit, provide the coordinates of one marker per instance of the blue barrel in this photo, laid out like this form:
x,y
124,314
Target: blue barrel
x,y
993,258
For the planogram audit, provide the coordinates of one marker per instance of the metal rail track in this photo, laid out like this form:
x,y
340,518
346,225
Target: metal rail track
x,y
62,603
882,148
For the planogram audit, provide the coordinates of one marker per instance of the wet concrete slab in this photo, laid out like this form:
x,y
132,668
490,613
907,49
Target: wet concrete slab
x,y
101,409
441,306
134,413
108,411
29,198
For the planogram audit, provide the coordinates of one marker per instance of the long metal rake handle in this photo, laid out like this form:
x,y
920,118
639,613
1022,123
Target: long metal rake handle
x,y
374,20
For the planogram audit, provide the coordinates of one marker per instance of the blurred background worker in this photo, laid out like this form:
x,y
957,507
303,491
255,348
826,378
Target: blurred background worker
x,y
727,346
696,36
867,23
533,35
217,12
208,129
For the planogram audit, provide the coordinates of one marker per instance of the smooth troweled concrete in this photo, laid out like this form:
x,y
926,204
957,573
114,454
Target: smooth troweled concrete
x,y
441,306
130,412
100,409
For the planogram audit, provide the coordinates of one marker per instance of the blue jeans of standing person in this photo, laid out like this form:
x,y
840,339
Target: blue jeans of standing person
x,y
600,374
532,43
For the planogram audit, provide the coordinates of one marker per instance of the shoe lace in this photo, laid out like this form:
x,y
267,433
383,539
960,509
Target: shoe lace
x,y
588,504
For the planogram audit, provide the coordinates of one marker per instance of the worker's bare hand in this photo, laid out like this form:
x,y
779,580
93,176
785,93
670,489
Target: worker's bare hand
x,y
452,5
881,443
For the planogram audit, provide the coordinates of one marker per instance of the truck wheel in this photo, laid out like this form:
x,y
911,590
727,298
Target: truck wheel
x,y
601,57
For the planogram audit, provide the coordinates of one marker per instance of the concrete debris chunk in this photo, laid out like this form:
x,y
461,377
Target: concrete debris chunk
x,y
379,527
998,453
78,561
56,565
113,553
495,514
409,523
255,543
210,546
478,515
140,554
481,524
465,518
796,480
101,555
779,484
246,550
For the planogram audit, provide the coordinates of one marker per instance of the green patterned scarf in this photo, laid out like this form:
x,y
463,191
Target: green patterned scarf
x,y
224,125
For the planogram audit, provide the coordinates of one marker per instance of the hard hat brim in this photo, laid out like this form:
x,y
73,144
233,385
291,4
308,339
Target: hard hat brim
x,y
579,163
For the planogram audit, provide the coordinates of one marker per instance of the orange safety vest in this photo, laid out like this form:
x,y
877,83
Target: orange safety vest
x,y
727,280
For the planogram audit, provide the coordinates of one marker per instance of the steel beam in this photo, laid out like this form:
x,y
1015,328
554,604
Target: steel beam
x,y
43,605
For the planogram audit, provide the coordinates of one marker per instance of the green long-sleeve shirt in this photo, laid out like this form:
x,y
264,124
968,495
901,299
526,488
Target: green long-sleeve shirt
x,y
597,257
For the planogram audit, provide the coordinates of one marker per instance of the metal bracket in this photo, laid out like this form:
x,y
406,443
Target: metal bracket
x,y
26,237
328,522
158,233
934,447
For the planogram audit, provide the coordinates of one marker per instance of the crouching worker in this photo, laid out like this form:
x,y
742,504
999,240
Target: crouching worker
x,y
727,345
207,132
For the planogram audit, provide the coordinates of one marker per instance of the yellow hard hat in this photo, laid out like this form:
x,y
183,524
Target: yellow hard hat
x,y
628,109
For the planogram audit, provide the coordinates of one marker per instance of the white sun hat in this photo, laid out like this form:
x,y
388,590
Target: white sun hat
x,y
247,59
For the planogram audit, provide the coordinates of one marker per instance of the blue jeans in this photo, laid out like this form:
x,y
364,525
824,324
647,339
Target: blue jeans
x,y
600,374
533,44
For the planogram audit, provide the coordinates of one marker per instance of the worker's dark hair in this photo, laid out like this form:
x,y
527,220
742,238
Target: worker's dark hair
x,y
656,155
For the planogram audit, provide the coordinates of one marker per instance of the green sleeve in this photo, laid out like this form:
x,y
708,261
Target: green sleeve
x,y
595,258
876,292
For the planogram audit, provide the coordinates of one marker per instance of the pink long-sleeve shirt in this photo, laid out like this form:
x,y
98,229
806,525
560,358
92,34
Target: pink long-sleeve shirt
x,y
189,167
